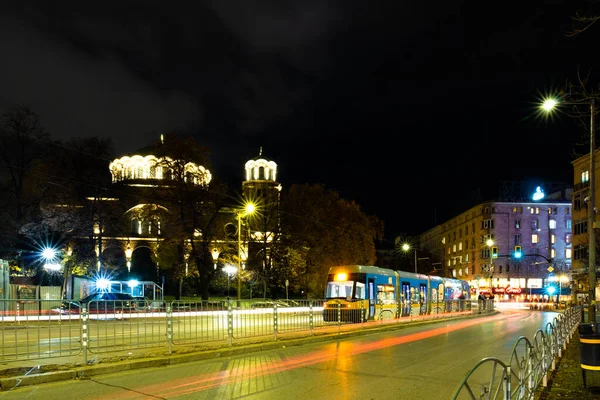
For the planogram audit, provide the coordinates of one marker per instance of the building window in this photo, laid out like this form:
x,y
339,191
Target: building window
x,y
518,239
454,248
568,224
553,253
534,238
467,257
487,223
534,224
518,224
567,210
460,247
585,176
553,238
466,230
567,253
552,224
568,238
580,227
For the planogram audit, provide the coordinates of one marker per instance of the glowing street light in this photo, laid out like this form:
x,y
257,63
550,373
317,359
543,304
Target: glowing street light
x,y
406,247
229,270
215,256
490,244
128,254
548,106
50,256
249,208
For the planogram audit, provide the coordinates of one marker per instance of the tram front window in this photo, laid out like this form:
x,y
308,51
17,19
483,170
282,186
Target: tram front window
x,y
343,290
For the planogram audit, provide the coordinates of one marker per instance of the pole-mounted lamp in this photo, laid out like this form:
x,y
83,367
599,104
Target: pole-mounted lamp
x,y
128,254
548,106
249,208
215,256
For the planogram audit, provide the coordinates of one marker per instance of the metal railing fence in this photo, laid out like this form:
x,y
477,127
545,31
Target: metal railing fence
x,y
528,367
36,329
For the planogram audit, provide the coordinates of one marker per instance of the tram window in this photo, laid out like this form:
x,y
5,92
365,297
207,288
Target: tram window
x,y
385,292
360,291
339,289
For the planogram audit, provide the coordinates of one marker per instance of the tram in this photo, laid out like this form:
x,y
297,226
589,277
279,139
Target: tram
x,y
358,293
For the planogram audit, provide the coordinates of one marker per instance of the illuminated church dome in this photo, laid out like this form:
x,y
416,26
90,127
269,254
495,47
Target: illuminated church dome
x,y
261,169
148,167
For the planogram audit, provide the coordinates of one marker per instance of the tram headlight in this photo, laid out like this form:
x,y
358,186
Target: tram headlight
x,y
341,276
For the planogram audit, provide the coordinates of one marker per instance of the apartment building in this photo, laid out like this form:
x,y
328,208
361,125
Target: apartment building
x,y
512,249
581,193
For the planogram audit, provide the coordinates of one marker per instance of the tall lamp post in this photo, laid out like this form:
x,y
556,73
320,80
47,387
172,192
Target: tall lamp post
x,y
406,247
548,106
490,244
128,254
229,270
249,208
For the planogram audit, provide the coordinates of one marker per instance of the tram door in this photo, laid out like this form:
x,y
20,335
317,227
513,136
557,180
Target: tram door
x,y
423,299
372,297
405,298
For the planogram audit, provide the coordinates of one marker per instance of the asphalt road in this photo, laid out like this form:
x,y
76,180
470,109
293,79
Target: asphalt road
x,y
418,362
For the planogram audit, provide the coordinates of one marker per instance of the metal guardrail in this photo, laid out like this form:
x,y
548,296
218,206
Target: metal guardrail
x,y
51,328
528,367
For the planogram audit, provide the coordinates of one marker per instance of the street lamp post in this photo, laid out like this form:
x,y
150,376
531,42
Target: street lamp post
x,y
248,209
229,269
406,247
490,244
128,254
548,106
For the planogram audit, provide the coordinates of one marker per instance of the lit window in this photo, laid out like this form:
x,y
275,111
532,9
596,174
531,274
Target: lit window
x,y
467,257
454,248
585,176
568,238
460,246
567,253
534,238
552,224
553,238
553,253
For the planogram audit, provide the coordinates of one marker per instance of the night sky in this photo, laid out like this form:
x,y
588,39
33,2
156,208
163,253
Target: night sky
x,y
412,109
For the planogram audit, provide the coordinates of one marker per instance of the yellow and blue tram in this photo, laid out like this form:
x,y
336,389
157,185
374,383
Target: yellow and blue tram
x,y
357,293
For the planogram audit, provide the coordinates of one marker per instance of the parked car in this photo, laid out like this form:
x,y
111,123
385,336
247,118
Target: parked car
x,y
100,302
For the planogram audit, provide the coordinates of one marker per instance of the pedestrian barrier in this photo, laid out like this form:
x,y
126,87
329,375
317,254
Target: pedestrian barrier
x,y
47,328
530,363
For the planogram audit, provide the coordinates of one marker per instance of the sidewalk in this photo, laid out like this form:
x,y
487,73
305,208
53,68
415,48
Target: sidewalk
x,y
566,381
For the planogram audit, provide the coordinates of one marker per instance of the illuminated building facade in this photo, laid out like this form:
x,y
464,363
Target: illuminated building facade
x,y
127,222
539,230
581,179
